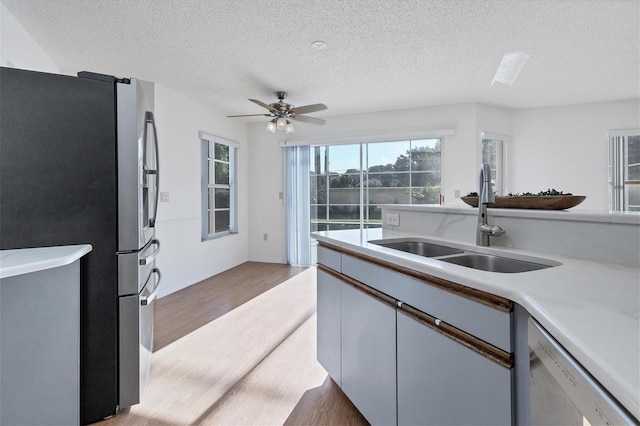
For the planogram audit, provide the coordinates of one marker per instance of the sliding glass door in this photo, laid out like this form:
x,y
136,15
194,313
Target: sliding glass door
x,y
348,182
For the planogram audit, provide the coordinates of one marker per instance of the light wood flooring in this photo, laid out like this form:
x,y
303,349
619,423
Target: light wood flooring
x,y
240,349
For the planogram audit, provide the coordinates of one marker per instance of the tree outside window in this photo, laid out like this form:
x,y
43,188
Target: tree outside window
x,y
348,182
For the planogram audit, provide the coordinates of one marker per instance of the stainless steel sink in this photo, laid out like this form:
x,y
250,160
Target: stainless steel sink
x,y
491,263
467,258
421,248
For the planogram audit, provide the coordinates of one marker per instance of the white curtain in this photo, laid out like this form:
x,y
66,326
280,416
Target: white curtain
x,y
298,206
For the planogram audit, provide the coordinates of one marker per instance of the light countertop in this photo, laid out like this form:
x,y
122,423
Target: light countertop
x,y
575,215
592,309
23,261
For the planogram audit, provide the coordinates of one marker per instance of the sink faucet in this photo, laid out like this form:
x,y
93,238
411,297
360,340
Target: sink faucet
x,y
485,197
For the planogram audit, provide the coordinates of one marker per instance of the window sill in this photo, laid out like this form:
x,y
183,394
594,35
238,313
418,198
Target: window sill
x,y
218,236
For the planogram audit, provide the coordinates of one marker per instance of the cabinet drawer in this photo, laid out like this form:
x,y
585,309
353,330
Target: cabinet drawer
x,y
486,323
441,382
330,258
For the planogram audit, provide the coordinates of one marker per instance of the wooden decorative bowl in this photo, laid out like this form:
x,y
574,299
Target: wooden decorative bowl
x,y
544,202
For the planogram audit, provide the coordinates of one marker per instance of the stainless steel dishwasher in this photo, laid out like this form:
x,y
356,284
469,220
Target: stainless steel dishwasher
x,y
562,391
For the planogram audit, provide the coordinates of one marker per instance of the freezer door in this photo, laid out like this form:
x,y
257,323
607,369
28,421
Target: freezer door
x,y
136,340
138,172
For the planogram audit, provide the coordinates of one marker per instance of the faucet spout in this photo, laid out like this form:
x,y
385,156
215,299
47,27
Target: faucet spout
x,y
485,198
485,192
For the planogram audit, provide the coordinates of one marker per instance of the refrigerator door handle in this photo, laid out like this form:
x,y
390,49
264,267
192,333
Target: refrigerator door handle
x,y
144,301
153,255
149,119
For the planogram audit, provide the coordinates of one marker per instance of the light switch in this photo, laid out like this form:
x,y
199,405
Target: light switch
x,y
164,197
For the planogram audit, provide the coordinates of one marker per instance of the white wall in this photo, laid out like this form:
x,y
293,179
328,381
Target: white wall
x,y
566,148
184,259
18,49
266,209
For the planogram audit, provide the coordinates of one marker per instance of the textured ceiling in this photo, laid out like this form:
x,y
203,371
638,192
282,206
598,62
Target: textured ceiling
x,y
380,55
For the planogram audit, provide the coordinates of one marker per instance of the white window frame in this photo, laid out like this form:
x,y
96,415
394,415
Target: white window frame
x,y
618,164
364,174
502,142
207,142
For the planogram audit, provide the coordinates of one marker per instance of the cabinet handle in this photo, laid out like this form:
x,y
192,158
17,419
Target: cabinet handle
x,y
387,300
483,348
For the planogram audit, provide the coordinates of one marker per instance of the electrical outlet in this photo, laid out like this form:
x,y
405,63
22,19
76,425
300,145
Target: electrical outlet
x,y
265,237
456,193
164,197
393,219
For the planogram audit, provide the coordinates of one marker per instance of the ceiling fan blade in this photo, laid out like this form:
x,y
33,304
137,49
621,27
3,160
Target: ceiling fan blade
x,y
308,108
310,120
262,104
250,115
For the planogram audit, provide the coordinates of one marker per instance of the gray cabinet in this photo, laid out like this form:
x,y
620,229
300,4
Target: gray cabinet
x,y
439,358
329,333
443,382
40,347
479,319
369,355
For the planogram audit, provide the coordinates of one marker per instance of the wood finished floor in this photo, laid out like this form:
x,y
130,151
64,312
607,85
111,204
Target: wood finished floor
x,y
187,310
240,348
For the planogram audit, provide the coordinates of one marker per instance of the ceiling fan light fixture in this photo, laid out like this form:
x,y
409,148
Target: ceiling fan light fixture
x,y
271,126
280,113
288,129
281,123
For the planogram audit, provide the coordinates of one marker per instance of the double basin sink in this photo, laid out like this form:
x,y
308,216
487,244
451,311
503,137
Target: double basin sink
x,y
457,256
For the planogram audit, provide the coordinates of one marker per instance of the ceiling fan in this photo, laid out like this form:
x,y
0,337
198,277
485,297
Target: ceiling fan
x,y
282,112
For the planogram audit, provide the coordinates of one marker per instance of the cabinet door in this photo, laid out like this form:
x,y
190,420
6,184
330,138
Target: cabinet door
x,y
369,355
442,382
329,325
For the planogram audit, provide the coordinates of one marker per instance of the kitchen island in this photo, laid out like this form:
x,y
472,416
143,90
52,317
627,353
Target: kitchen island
x,y
591,308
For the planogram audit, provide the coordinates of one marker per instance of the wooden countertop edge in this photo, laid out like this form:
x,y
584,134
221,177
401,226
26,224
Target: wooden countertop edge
x,y
479,346
388,300
487,299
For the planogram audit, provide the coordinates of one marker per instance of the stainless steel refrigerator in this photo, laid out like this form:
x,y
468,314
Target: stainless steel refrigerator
x,y
79,164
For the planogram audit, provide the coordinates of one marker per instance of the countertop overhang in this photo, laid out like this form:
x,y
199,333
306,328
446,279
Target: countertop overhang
x,y
591,308
23,261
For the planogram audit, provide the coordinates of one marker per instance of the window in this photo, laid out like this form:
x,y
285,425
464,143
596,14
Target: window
x,y
624,170
348,182
340,183
218,186
494,152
